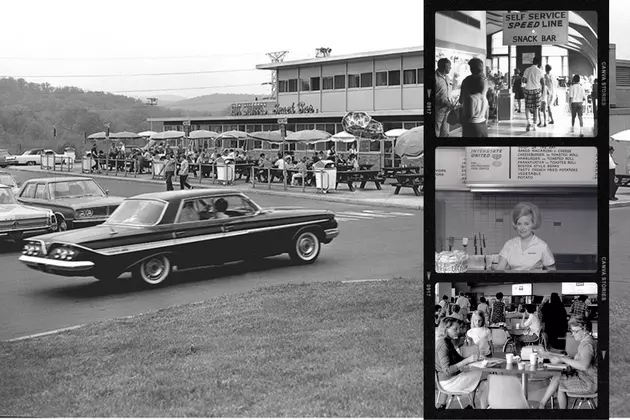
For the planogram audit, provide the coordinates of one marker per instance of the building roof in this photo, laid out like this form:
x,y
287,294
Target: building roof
x,y
334,59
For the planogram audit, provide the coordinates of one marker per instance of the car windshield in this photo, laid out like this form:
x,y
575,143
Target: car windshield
x,y
7,179
76,188
137,213
6,196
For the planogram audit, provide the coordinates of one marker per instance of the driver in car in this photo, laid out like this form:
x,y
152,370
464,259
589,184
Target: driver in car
x,y
220,206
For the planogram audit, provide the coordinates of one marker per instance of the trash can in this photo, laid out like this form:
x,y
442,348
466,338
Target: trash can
x,y
226,169
325,175
505,107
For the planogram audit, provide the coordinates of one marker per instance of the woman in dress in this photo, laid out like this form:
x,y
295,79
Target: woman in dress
x,y
527,251
451,366
582,375
497,314
554,318
517,88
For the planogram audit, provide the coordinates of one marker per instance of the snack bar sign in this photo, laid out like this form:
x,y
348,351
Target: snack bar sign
x,y
536,28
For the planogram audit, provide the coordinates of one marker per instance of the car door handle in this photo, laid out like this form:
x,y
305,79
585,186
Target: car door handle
x,y
227,228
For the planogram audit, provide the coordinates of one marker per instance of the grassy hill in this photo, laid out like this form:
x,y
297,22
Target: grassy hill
x,y
217,104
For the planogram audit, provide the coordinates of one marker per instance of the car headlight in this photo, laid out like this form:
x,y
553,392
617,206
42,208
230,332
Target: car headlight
x,y
83,213
63,253
33,248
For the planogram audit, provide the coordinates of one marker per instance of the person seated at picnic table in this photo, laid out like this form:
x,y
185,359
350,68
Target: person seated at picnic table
x,y
451,366
301,167
533,327
479,334
220,206
582,375
353,161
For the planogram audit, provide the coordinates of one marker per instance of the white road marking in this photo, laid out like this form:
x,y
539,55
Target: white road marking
x,y
347,219
362,281
355,215
383,215
46,333
393,212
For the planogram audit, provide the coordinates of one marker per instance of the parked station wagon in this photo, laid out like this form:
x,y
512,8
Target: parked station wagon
x,y
77,202
149,234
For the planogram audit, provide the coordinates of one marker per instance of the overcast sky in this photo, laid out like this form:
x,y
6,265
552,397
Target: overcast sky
x,y
619,12
70,37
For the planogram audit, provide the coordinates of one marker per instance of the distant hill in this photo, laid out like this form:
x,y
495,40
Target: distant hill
x,y
217,104
40,115
163,99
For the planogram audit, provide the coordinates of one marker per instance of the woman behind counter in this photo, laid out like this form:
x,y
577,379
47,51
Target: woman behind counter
x,y
527,251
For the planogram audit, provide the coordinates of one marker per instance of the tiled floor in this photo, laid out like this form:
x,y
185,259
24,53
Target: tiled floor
x,y
560,128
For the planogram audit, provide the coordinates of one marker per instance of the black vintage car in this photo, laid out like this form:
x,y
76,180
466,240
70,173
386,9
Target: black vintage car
x,y
149,234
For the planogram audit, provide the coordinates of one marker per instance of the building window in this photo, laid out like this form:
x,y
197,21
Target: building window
x,y
266,127
283,86
623,76
462,17
330,128
340,82
366,79
420,76
293,85
353,81
381,78
315,83
394,78
257,144
305,85
410,125
409,77
327,83
300,127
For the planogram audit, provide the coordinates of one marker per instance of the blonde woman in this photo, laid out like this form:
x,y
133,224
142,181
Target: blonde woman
x,y
526,251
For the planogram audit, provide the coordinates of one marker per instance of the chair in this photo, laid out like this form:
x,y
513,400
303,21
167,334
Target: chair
x,y
505,392
499,337
589,398
451,395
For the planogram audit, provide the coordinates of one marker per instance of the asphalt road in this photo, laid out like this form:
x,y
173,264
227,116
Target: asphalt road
x,y
374,243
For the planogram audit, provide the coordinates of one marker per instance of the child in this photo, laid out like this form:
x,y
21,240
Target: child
x,y
577,95
533,326
543,103
479,334
456,313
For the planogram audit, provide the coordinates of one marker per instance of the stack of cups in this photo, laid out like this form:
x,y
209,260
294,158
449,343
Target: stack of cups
x,y
533,358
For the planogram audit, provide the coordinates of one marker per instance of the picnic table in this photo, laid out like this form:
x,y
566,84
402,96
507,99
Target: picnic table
x,y
362,167
501,367
350,177
244,168
414,181
392,171
622,180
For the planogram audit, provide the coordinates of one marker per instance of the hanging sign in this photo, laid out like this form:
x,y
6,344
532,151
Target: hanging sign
x,y
450,169
536,28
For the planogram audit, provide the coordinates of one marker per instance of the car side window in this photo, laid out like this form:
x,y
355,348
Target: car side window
x,y
28,191
189,212
41,192
237,206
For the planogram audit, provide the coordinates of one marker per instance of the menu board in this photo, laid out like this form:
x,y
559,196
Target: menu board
x,y
579,288
531,166
450,169
522,289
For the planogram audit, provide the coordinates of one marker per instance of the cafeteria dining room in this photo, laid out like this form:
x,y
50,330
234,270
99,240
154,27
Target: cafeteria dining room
x,y
516,209
516,346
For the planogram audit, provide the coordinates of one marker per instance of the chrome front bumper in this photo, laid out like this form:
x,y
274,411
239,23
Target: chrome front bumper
x,y
331,234
61,266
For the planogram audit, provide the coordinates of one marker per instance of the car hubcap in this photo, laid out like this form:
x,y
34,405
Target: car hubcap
x,y
154,269
63,226
307,246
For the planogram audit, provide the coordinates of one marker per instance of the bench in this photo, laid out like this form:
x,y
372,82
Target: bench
x,y
417,187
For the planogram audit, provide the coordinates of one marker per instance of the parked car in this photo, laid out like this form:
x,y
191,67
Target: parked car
x,y
7,179
149,234
76,201
6,158
18,221
31,157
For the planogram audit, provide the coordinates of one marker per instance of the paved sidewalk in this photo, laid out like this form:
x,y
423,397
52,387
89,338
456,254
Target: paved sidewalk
x,y
370,197
623,194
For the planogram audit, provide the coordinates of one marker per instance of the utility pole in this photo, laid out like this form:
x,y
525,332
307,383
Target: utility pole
x,y
152,102
276,57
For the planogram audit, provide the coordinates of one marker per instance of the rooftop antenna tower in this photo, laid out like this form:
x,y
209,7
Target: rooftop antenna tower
x,y
322,52
276,57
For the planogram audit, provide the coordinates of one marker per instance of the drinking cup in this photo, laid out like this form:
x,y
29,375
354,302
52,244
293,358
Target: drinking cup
x,y
533,358
509,358
521,365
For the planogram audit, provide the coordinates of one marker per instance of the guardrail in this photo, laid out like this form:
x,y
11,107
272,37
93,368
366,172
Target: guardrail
x,y
57,163
109,166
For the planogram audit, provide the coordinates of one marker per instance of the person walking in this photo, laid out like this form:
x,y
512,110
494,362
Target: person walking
x,y
552,90
442,97
577,95
517,88
169,171
612,167
464,304
184,168
542,112
532,76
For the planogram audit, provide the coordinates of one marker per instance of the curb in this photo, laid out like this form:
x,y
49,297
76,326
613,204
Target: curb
x,y
619,204
318,197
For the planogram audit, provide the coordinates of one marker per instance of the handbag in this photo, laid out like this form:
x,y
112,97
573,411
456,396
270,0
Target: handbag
x,y
454,117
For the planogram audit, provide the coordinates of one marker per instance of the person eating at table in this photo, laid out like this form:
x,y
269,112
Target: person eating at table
x,y
451,366
532,326
456,313
479,334
527,251
581,378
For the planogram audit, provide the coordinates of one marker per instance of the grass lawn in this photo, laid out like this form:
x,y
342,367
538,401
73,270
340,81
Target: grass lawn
x,y
325,349
619,357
